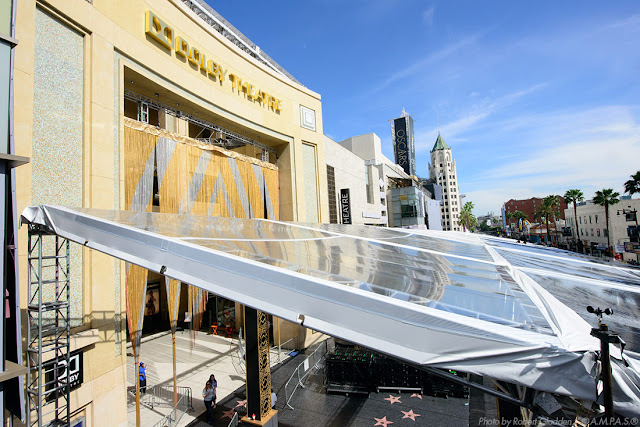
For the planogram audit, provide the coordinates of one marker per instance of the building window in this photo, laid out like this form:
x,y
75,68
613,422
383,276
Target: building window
x,y
596,219
592,232
580,220
598,232
582,232
589,219
331,186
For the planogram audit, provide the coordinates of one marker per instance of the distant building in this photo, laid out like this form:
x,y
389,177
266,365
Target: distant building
x,y
380,192
592,228
442,171
490,220
529,207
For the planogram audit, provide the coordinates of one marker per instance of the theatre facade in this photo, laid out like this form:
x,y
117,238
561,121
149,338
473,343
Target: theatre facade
x,y
156,106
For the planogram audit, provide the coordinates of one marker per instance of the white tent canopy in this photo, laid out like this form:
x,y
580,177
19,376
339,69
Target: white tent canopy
x,y
444,300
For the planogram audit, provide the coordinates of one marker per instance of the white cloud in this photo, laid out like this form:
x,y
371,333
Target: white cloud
x,y
589,150
427,16
431,59
478,112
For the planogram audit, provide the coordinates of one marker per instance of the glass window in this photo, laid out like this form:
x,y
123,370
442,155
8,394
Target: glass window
x,y
592,231
598,232
589,219
596,219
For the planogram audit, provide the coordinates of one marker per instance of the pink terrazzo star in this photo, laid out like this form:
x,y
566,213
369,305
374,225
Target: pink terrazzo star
x,y
393,399
410,414
241,403
419,396
382,422
228,414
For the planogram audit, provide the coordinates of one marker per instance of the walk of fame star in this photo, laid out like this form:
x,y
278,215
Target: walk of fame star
x,y
410,414
228,414
393,399
241,403
419,396
382,421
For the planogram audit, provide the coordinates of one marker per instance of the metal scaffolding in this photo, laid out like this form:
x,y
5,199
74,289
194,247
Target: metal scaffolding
x,y
220,136
48,330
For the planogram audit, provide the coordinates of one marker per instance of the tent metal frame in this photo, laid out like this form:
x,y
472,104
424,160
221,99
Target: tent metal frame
x,y
48,328
220,136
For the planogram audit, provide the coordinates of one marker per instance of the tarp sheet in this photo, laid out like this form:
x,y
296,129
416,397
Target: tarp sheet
x,y
444,300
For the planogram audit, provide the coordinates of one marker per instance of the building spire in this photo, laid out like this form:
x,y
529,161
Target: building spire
x,y
404,113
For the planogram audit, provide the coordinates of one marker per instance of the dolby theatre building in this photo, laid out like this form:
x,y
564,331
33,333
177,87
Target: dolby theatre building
x,y
152,105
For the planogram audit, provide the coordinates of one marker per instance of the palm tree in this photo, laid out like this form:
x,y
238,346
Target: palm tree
x,y
574,196
548,209
633,185
543,213
607,197
466,218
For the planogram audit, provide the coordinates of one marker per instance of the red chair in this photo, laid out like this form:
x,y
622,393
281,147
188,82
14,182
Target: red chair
x,y
214,328
229,331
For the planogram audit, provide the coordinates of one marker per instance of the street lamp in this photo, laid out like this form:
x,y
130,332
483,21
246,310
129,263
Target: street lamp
x,y
634,216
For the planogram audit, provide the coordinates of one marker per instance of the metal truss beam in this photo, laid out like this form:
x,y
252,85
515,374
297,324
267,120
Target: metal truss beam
x,y
221,137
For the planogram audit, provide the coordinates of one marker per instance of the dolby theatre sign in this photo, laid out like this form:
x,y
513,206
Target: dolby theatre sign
x,y
164,34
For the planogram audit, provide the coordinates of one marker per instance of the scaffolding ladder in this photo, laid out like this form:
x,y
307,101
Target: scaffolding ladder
x,y
48,329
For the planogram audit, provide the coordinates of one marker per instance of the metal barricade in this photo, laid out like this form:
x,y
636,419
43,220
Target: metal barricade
x,y
279,347
174,417
234,420
303,369
163,396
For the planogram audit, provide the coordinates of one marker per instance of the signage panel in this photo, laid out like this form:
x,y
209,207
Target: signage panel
x,y
74,373
165,36
632,247
403,144
345,205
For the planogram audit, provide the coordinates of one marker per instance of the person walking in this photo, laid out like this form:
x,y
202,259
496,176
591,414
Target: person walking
x,y
142,376
214,384
207,395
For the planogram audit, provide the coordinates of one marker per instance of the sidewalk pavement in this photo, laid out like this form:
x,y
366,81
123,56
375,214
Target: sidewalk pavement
x,y
210,354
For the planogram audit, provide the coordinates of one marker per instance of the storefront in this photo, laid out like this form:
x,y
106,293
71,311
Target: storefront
x,y
153,106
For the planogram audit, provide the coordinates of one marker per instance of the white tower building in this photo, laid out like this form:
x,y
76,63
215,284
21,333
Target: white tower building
x,y
442,170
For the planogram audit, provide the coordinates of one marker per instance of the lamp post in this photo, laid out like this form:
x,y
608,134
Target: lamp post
x,y
633,212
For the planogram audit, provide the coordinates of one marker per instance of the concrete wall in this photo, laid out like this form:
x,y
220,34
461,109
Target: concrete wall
x,y
367,146
350,173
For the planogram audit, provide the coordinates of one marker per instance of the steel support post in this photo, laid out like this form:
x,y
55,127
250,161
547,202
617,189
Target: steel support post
x,y
258,364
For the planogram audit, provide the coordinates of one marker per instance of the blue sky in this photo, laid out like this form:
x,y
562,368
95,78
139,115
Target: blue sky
x,y
533,98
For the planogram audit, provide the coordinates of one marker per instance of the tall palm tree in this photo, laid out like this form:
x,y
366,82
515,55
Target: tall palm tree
x,y
633,185
547,210
543,213
574,196
466,218
606,197
554,202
